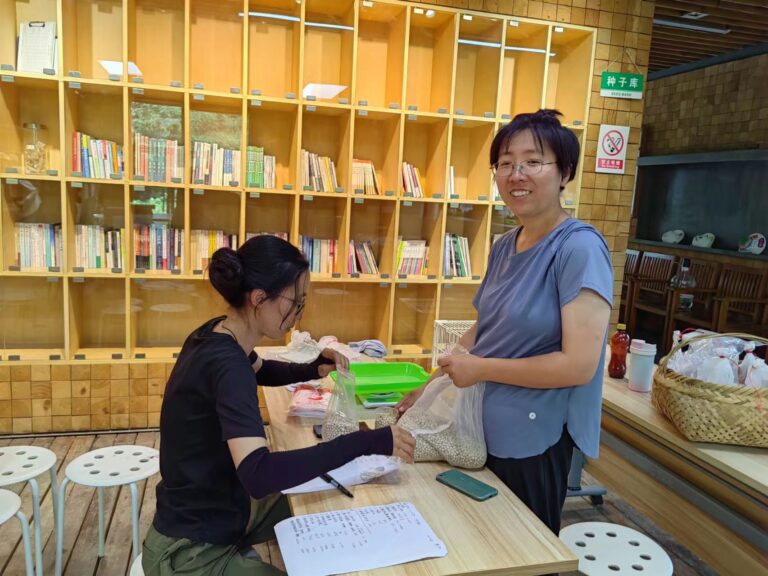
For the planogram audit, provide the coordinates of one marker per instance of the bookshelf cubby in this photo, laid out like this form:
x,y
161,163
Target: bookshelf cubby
x,y
387,82
216,45
156,27
477,63
416,312
373,220
157,126
23,102
274,47
456,301
470,159
381,39
377,138
425,146
431,49
523,66
97,312
93,39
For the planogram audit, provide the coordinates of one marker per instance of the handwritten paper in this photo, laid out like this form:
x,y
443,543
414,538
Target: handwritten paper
x,y
37,46
359,471
356,539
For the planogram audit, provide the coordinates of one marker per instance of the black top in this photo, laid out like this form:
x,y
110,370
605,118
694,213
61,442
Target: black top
x,y
210,397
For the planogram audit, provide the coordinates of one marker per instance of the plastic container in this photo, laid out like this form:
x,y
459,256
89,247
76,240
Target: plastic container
x,y
617,366
641,368
386,377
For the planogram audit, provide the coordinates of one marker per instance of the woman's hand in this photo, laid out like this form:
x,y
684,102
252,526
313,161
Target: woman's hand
x,y
464,369
409,400
403,444
339,361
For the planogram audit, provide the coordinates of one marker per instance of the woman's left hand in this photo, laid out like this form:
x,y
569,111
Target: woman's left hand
x,y
339,361
464,369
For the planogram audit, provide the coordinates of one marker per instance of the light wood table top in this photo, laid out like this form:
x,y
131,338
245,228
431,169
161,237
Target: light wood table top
x,y
498,536
737,464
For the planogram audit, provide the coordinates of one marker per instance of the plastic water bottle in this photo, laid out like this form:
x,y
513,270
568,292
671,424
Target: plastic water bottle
x,y
619,342
684,279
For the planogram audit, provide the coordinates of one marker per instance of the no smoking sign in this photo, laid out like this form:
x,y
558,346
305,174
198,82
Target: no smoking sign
x,y
612,150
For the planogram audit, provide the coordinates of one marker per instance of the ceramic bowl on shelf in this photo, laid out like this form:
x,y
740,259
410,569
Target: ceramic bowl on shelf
x,y
752,244
673,236
703,240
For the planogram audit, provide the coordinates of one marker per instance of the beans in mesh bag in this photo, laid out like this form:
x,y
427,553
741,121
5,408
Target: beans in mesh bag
x,y
336,425
444,445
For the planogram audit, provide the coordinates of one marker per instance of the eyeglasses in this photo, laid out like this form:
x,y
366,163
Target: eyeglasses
x,y
527,168
298,305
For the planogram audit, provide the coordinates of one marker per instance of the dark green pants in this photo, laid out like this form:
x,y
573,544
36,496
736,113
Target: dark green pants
x,y
166,556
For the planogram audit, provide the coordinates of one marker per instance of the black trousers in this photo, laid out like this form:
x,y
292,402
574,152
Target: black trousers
x,y
541,482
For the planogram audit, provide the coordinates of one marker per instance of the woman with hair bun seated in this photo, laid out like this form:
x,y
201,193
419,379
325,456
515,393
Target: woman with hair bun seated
x,y
220,487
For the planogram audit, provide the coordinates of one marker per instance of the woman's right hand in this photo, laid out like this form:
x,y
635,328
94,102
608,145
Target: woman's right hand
x,y
409,400
403,444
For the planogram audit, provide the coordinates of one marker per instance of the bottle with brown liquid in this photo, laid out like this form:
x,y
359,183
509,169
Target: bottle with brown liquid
x,y
619,342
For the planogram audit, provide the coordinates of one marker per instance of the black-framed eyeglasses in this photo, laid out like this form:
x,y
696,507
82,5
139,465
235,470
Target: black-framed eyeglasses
x,y
526,168
298,305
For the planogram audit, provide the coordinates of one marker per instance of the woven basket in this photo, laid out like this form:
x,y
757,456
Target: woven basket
x,y
706,412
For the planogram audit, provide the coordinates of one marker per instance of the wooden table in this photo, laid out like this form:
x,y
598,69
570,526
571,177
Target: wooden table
x,y
498,536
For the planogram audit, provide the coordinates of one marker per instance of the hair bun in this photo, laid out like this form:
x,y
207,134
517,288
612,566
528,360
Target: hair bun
x,y
226,273
550,114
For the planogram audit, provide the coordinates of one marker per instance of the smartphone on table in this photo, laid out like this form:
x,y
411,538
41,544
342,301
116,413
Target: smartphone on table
x,y
466,484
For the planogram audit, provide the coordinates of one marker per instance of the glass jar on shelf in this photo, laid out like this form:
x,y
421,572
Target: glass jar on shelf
x,y
35,148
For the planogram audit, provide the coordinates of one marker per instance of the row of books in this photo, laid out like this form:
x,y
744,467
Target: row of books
x,y
321,253
97,248
412,181
318,172
259,168
95,157
412,257
157,159
213,165
158,247
203,243
38,246
364,177
361,259
456,260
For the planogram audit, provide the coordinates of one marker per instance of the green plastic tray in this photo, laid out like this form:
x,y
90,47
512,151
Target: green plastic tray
x,y
380,377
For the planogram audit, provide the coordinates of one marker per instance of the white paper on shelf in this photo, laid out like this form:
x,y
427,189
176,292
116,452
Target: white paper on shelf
x,y
356,539
37,46
359,471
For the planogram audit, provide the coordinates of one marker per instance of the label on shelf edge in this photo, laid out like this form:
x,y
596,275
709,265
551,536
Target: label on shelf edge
x,y
139,355
54,356
7,78
79,356
14,357
117,356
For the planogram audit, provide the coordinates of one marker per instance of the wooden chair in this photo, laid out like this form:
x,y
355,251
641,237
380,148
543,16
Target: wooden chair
x,y
648,289
702,315
630,269
742,301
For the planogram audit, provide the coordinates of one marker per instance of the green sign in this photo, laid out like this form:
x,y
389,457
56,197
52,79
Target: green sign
x,y
621,85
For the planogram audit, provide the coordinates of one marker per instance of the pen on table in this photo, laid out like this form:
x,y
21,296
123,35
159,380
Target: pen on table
x,y
328,478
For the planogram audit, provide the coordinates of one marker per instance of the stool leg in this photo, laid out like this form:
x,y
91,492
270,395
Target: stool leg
x,y
101,522
25,538
60,526
36,519
135,518
54,490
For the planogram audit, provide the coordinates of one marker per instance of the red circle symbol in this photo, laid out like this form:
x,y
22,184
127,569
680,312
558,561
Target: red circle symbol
x,y
613,143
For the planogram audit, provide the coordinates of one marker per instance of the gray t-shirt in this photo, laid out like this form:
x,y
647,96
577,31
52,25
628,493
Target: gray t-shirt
x,y
518,305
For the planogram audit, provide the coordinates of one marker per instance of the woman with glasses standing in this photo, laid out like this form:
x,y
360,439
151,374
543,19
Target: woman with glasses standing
x,y
220,487
543,310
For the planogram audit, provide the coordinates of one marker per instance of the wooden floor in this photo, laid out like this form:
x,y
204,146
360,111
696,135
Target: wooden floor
x,y
81,520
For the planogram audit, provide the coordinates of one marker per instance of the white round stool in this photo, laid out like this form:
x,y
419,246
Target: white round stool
x,y
103,468
10,505
136,569
606,549
25,464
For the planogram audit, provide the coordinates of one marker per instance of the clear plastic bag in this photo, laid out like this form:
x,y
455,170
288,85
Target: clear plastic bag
x,y
447,423
341,417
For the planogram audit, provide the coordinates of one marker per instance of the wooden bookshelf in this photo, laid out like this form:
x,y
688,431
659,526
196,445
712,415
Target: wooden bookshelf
x,y
391,82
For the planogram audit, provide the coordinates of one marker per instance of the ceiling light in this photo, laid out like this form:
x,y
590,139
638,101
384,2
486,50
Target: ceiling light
x,y
694,15
467,16
430,14
559,29
332,26
272,16
524,49
367,4
418,10
479,43
514,23
686,26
